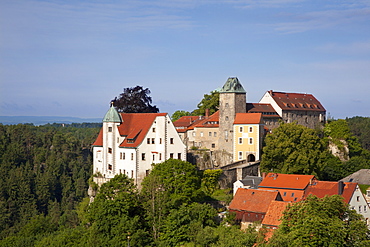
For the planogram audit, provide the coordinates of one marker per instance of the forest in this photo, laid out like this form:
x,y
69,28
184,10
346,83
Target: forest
x,y
45,174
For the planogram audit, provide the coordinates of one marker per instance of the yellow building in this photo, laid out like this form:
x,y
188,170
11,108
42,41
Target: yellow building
x,y
248,135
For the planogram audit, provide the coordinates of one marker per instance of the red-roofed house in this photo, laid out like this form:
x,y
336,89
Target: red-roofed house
x,y
272,219
129,143
291,186
350,192
250,205
303,108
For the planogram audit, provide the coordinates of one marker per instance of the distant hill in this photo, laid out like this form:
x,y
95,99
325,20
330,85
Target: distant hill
x,y
35,120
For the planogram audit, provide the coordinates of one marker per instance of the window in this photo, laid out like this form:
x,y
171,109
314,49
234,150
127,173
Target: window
x,y
123,155
171,140
227,118
109,150
110,129
153,129
109,167
132,173
209,133
201,134
179,156
160,140
240,154
240,140
250,140
143,156
358,198
148,140
292,194
153,140
359,208
284,193
146,172
132,156
213,145
193,133
250,129
160,156
171,155
214,134
120,155
365,208
241,129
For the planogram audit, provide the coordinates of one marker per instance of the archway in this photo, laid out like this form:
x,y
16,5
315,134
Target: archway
x,y
251,158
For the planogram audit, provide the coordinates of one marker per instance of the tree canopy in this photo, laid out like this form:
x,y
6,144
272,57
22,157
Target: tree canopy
x,y
135,100
210,101
321,222
294,149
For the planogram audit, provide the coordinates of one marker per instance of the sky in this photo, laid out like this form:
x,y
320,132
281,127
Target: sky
x,y
72,57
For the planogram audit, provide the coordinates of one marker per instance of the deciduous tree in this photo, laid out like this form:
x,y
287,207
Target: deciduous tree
x,y
135,100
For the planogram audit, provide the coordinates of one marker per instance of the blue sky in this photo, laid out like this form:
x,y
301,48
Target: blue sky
x,y
70,58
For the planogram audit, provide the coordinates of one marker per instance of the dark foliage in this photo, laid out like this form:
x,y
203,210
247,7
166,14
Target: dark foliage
x,y
135,100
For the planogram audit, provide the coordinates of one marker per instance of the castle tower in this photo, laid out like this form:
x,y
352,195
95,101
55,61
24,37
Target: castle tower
x,y
233,99
111,121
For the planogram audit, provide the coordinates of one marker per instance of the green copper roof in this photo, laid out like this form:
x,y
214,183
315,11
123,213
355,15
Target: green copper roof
x,y
112,115
232,85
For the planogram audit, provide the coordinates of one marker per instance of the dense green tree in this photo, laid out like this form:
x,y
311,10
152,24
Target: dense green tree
x,y
182,225
210,181
321,222
360,127
210,101
116,214
293,148
168,186
178,114
135,100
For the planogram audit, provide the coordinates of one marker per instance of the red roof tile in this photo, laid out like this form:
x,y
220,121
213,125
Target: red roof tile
x,y
296,101
266,109
253,200
248,118
99,139
323,188
274,213
185,121
286,181
292,195
210,122
135,126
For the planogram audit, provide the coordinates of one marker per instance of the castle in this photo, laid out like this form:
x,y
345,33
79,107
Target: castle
x,y
237,129
129,143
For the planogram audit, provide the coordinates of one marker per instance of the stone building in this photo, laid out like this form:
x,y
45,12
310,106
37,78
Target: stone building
x,y
201,132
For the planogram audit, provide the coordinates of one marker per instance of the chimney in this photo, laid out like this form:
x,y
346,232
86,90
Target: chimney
x,y
263,175
207,113
340,187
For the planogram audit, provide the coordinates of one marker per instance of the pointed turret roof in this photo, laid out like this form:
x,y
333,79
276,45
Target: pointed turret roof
x,y
232,85
112,115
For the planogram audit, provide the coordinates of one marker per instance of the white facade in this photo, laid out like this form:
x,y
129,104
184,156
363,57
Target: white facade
x,y
359,203
153,141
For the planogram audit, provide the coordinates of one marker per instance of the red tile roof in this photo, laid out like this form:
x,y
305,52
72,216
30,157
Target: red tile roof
x,y
286,181
296,101
252,200
274,213
248,118
323,188
292,195
134,127
99,139
210,122
266,109
186,123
